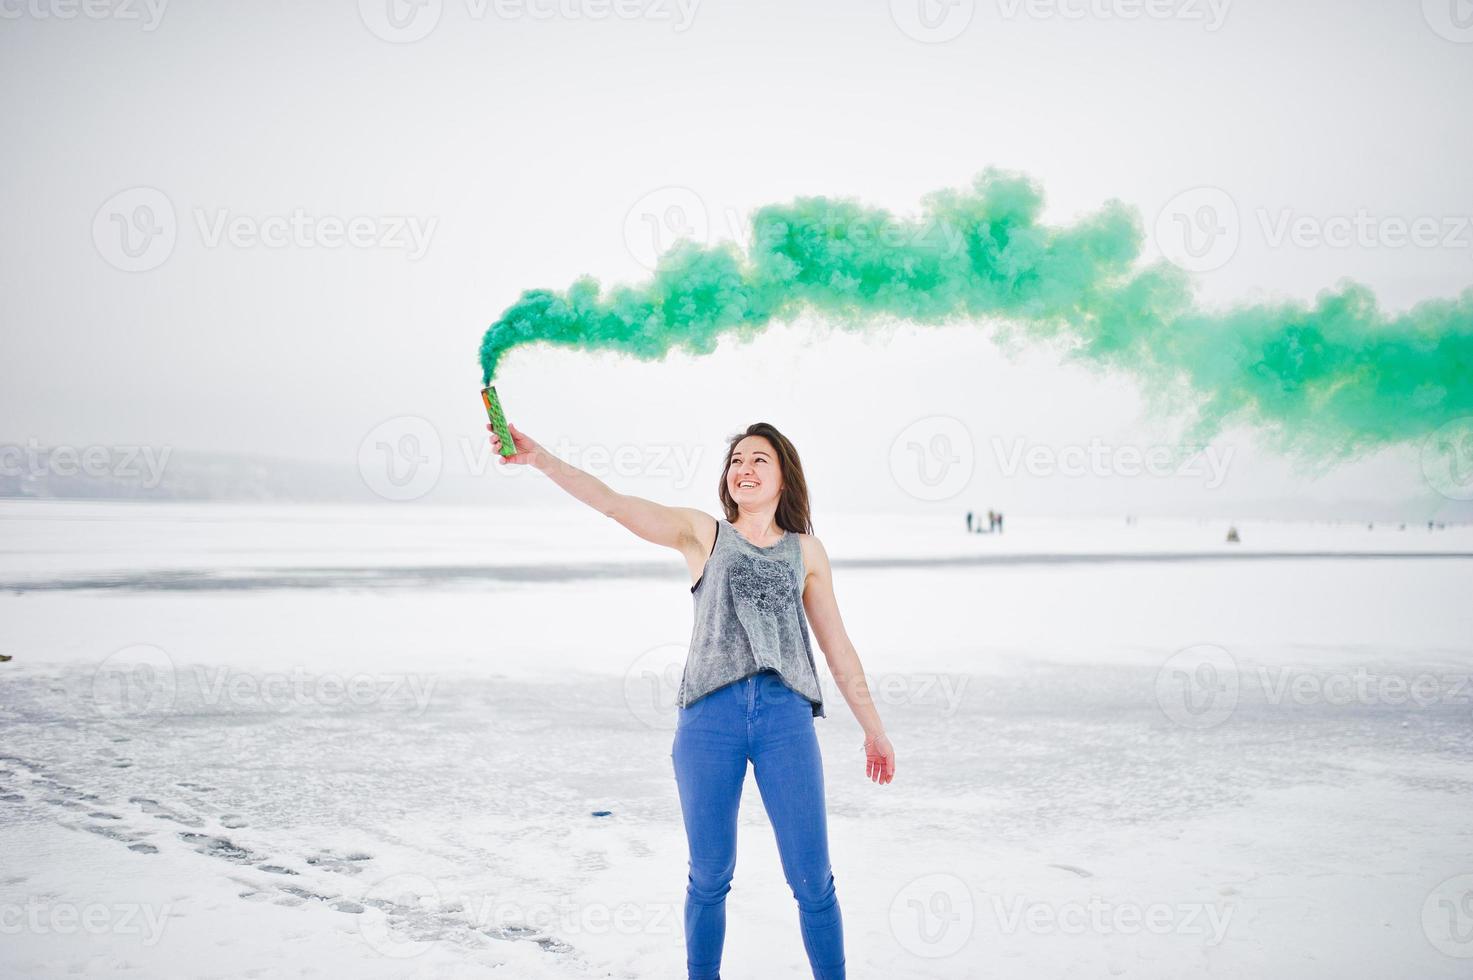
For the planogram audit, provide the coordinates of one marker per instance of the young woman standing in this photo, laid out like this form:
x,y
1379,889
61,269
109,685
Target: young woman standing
x,y
750,689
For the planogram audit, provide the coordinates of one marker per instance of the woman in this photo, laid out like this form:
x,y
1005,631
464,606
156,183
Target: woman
x,y
750,690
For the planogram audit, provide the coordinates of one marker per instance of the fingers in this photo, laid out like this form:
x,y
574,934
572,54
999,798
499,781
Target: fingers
x,y
880,768
496,444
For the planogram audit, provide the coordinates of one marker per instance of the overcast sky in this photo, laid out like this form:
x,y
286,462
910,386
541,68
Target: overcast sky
x,y
152,153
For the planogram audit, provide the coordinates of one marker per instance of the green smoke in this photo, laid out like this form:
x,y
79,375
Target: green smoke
x,y
1331,379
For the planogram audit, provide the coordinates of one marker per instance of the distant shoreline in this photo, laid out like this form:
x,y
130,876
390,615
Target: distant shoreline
x,y
420,576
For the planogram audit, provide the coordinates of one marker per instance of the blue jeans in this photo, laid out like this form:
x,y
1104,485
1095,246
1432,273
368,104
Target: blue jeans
x,y
758,718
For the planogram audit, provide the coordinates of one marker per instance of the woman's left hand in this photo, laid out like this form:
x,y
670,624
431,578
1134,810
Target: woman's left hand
x,y
879,759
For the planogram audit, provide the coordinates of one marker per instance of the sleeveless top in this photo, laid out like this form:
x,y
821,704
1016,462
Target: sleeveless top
x,y
749,618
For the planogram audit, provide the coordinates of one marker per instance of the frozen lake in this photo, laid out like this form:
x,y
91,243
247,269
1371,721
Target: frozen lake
x,y
270,741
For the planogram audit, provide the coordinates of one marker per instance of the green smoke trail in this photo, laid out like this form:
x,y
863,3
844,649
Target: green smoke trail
x,y
1328,380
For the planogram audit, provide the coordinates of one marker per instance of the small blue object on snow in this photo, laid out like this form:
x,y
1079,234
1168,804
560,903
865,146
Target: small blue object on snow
x,y
603,813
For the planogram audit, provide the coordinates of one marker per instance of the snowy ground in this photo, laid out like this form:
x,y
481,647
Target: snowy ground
x,y
241,741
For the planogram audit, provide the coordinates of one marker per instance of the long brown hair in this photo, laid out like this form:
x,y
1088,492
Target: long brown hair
x,y
792,502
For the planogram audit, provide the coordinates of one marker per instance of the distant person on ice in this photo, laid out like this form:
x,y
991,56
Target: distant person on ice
x,y
750,689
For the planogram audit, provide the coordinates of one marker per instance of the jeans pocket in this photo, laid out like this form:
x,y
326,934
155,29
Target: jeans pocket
x,y
787,690
685,715
790,699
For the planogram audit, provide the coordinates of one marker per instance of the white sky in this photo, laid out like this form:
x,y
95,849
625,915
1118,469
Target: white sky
x,y
521,137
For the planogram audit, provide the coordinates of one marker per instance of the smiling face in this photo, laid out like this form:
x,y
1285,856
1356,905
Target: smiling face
x,y
753,475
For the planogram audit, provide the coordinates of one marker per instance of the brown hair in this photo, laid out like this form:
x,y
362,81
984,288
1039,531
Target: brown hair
x,y
792,502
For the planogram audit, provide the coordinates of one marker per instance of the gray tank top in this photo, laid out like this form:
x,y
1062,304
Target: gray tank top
x,y
749,617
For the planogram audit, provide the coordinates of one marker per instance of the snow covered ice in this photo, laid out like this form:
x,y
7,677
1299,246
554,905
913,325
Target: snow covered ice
x,y
279,741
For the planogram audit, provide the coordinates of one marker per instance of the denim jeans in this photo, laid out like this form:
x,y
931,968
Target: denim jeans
x,y
761,719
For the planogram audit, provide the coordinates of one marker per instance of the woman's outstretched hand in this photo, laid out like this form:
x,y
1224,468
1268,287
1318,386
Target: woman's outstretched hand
x,y
879,759
527,448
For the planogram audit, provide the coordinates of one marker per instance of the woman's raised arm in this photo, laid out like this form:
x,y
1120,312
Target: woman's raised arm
x,y
673,527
